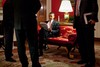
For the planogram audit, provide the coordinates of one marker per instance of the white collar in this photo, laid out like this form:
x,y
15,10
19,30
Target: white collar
x,y
51,20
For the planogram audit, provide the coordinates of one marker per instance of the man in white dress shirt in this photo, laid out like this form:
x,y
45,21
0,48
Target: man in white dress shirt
x,y
52,31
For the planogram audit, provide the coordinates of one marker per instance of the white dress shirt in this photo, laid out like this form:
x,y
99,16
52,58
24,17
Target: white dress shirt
x,y
49,24
78,7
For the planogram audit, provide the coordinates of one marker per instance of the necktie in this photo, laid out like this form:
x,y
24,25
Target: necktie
x,y
77,7
49,25
3,1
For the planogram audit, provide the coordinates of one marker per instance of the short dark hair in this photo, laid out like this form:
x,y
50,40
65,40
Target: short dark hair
x,y
51,13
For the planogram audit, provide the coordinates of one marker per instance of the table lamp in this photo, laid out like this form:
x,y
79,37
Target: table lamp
x,y
66,7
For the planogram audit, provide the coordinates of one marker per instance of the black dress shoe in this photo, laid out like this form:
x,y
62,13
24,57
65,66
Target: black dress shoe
x,y
36,65
81,62
10,60
89,65
25,65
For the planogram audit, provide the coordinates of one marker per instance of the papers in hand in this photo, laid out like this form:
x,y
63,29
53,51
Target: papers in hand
x,y
87,17
44,25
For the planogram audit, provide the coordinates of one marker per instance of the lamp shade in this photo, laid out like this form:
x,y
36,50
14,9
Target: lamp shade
x,y
65,6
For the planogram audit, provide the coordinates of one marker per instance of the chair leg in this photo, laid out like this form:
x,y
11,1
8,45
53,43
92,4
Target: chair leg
x,y
73,49
58,47
2,43
3,47
69,47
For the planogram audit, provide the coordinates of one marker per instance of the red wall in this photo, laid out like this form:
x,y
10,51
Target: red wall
x,y
55,8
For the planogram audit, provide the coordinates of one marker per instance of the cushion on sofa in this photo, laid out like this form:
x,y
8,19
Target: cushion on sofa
x,y
65,31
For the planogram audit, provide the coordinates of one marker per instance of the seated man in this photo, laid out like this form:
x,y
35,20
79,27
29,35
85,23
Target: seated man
x,y
51,31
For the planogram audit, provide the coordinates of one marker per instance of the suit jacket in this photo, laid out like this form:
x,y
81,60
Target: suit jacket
x,y
24,13
86,6
8,14
55,28
8,11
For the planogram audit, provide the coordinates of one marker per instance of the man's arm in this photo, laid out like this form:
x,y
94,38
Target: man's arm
x,y
56,28
36,6
94,11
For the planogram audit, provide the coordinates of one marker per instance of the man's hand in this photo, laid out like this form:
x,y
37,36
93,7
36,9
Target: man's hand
x,y
49,29
92,22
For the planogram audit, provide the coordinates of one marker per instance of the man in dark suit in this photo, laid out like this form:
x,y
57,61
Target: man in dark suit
x,y
51,31
8,21
86,13
26,27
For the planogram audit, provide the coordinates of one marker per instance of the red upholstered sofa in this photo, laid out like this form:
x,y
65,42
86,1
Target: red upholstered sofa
x,y
66,38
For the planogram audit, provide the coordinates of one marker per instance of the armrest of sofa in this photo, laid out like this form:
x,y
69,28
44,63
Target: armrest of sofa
x,y
72,38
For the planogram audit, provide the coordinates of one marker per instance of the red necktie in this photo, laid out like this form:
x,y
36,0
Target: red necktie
x,y
77,7
3,1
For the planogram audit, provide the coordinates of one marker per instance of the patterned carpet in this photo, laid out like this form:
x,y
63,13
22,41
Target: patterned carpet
x,y
51,58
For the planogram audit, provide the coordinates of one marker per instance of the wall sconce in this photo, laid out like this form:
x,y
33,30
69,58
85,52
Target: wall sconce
x,y
66,7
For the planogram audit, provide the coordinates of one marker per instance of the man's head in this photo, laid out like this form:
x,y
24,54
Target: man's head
x,y
51,15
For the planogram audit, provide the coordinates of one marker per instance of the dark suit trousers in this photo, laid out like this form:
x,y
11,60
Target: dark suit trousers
x,y
31,35
85,36
43,36
8,39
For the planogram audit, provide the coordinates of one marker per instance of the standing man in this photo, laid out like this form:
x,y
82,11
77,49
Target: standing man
x,y
86,13
8,21
26,28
